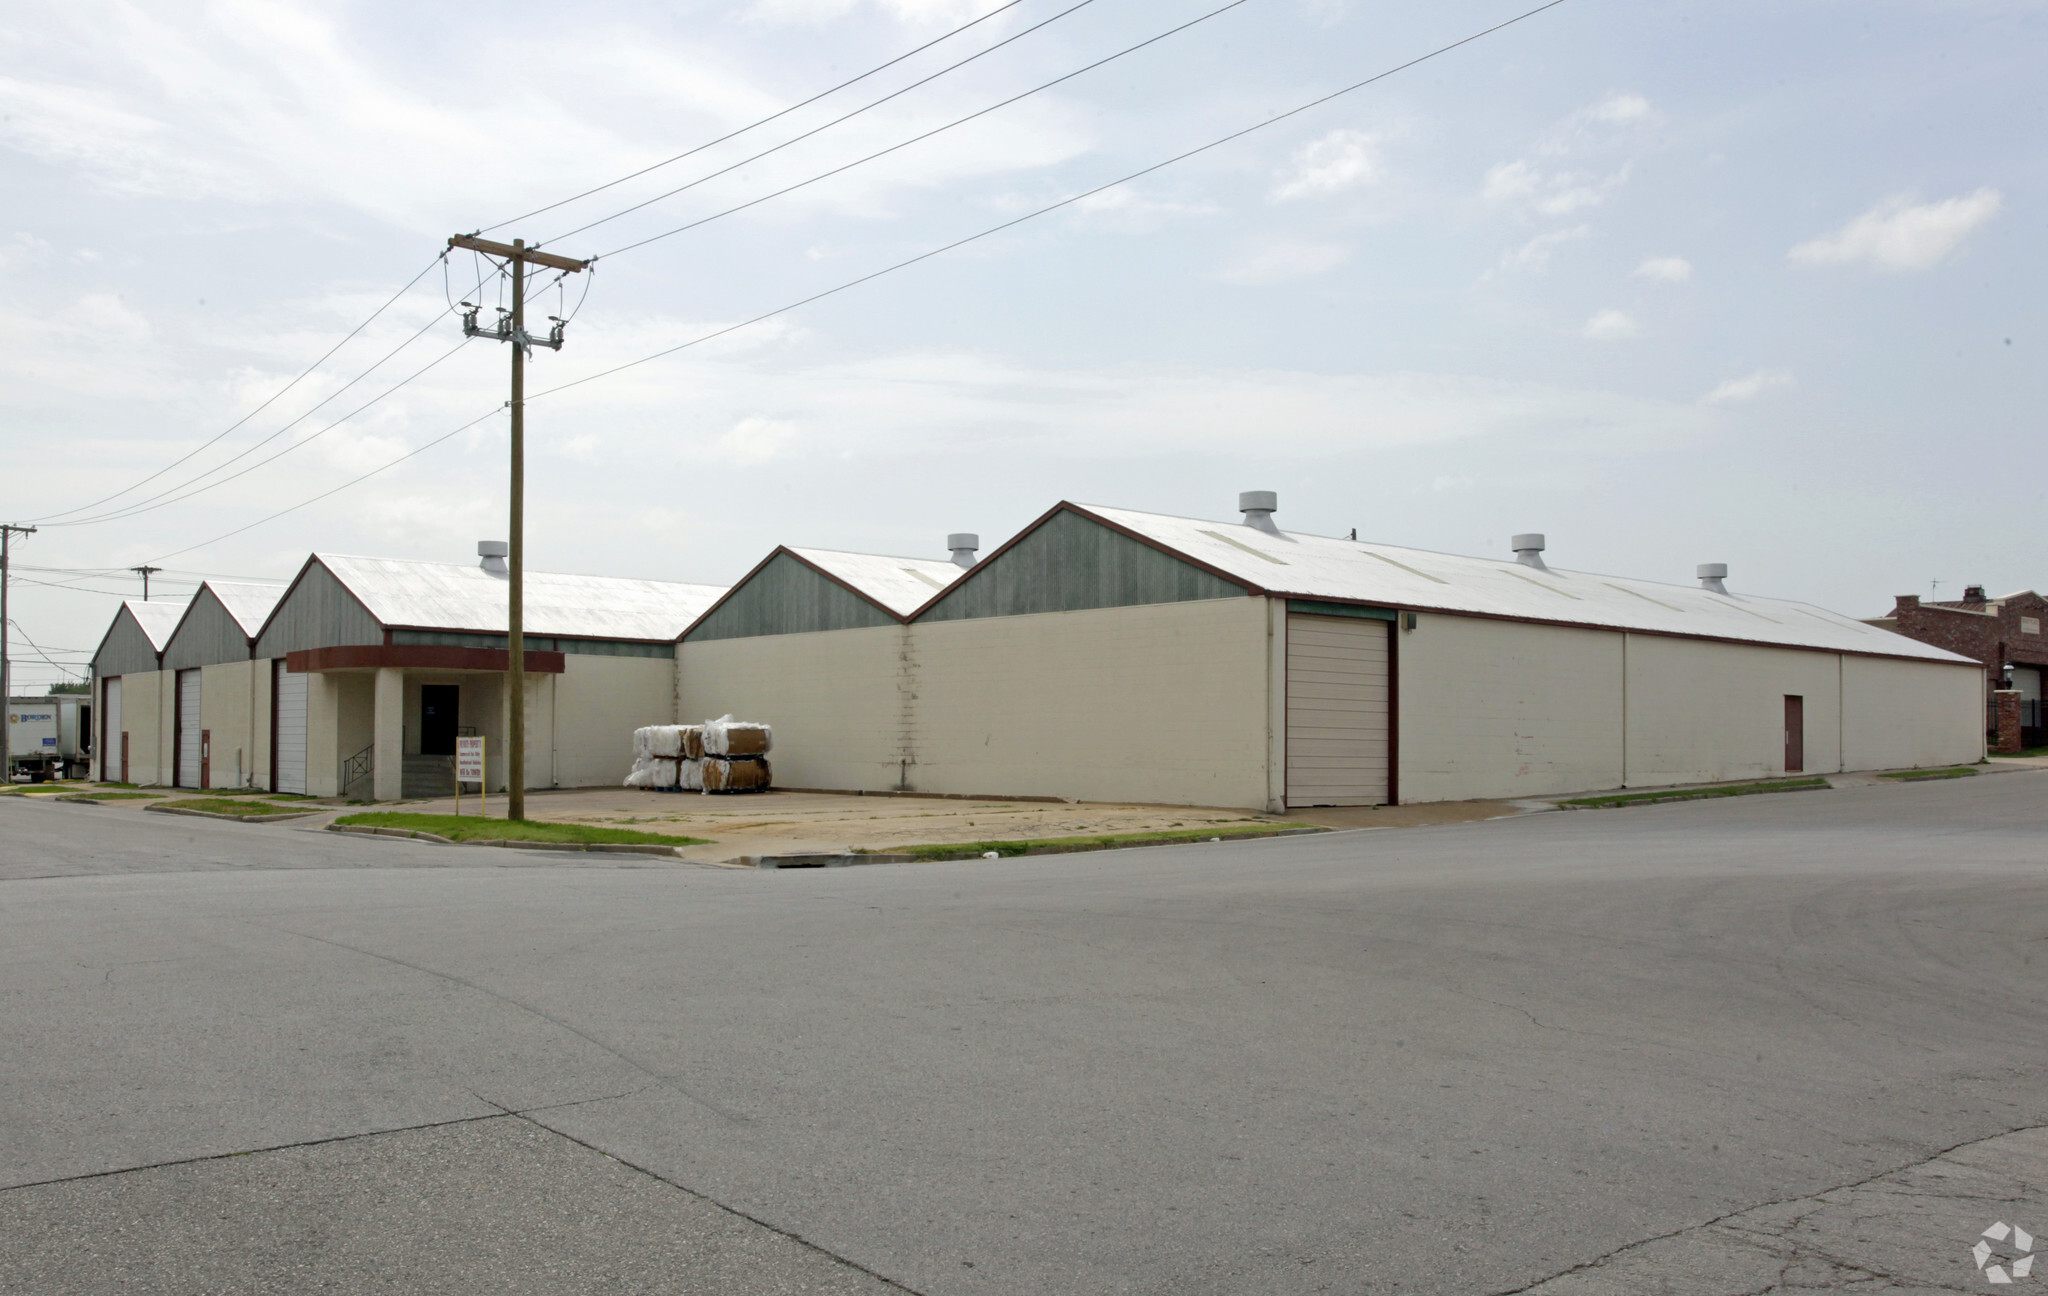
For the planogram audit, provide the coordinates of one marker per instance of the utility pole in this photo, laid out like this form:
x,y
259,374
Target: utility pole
x,y
145,572
7,533
511,327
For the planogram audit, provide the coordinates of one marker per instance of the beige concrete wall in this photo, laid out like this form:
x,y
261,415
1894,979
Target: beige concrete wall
x,y
598,702
1163,703
832,696
355,723
323,739
1506,709
224,713
1709,712
1903,715
142,708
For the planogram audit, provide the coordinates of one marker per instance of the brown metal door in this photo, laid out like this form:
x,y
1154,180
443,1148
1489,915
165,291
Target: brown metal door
x,y
1795,733
124,755
205,759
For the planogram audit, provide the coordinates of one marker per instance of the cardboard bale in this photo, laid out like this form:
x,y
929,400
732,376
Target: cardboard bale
x,y
737,775
693,741
726,736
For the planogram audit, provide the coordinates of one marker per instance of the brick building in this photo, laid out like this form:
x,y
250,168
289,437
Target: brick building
x,y
2003,633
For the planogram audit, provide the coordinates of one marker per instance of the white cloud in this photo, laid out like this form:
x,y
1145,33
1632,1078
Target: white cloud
x,y
1552,193
1611,326
1127,209
1665,269
1339,160
756,440
1535,254
1748,387
1899,234
1278,262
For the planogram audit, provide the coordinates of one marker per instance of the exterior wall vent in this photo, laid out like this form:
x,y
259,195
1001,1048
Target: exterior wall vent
x,y
1711,575
1528,549
493,553
1258,508
963,544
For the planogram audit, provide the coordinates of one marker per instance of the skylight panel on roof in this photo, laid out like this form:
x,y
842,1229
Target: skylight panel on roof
x,y
1239,544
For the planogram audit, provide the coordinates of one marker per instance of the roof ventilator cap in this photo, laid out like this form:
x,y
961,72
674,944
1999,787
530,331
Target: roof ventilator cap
x,y
1529,550
963,544
1711,575
1258,508
493,553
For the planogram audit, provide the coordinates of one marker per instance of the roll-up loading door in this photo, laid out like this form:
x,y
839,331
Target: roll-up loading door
x,y
1336,711
187,757
289,761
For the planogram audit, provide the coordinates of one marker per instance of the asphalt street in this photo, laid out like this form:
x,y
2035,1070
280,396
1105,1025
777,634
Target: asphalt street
x,y
1776,1043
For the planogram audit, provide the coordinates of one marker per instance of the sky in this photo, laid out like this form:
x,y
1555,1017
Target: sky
x,y
1755,282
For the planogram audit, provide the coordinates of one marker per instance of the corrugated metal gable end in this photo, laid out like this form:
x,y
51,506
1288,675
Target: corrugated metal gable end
x,y
317,611
1321,567
787,594
1069,561
206,635
128,648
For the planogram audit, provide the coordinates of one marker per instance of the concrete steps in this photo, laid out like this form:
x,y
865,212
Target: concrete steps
x,y
427,776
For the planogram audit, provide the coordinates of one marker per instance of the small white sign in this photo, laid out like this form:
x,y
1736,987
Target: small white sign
x,y
469,760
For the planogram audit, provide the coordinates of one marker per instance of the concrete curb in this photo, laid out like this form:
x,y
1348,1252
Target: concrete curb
x,y
214,814
823,860
594,848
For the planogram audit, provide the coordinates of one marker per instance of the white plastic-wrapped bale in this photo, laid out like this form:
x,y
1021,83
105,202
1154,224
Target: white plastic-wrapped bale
x,y
656,772
726,736
666,740
643,743
690,775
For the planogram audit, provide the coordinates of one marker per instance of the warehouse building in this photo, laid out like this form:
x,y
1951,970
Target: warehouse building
x,y
1108,654
376,665
357,677
816,641
135,714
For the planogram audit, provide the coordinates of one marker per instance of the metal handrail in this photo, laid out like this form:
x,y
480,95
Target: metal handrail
x,y
359,766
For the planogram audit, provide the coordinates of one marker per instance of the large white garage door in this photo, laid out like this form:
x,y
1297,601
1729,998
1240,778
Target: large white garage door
x,y
291,731
1336,711
188,729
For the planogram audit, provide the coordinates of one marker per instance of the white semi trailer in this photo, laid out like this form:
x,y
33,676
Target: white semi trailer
x,y
48,737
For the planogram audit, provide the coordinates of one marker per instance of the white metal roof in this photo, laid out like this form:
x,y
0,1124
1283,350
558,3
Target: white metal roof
x,y
157,620
1320,567
902,585
465,597
248,603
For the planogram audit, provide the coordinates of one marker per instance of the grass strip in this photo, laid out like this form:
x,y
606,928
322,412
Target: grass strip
x,y
1106,841
1916,776
111,796
227,806
475,828
1694,794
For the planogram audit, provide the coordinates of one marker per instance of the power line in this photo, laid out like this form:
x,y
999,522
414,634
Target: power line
x,y
797,139
296,445
1050,207
145,505
916,139
336,490
822,94
274,396
900,265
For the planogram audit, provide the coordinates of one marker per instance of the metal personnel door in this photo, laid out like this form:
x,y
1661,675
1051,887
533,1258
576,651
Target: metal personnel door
x,y
439,704
288,762
1795,733
186,759
1336,711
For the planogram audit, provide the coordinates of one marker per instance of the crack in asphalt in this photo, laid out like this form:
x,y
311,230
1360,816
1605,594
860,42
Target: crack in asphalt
x,y
501,1113
667,1082
1735,1232
711,1201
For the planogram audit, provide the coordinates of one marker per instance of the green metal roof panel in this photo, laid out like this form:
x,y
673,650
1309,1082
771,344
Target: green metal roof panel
x,y
1069,563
